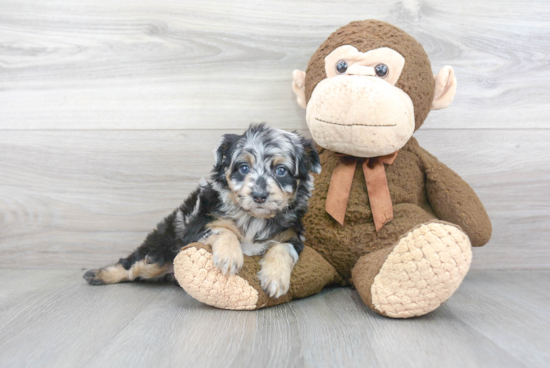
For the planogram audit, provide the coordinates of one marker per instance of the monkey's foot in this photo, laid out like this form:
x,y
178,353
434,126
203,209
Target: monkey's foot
x,y
419,273
196,273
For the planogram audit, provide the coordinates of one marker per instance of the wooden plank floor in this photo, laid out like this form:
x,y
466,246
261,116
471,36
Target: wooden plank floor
x,y
51,318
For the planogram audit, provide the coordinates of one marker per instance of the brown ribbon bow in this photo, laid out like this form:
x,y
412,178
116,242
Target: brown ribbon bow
x,y
377,187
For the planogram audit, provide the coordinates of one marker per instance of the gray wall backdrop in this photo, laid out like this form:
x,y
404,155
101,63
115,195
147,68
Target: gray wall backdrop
x,y
110,110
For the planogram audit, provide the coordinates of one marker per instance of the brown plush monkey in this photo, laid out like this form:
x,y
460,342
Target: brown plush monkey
x,y
385,216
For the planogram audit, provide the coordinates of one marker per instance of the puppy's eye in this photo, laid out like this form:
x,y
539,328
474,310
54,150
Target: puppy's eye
x,y
341,66
281,171
381,70
244,169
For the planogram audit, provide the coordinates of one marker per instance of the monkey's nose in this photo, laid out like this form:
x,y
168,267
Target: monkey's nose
x,y
361,70
259,197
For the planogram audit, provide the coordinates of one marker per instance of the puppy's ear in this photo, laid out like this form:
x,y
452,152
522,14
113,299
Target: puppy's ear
x,y
308,160
312,155
224,150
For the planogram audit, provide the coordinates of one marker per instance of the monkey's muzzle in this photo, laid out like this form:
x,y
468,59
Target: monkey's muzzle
x,y
360,115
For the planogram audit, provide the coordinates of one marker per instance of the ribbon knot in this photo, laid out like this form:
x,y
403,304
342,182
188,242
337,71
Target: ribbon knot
x,y
377,187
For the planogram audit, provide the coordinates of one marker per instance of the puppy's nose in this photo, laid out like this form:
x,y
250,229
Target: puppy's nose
x,y
259,197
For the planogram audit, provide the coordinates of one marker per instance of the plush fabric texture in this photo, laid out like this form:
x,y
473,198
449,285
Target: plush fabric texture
x,y
445,88
416,79
196,273
365,271
413,278
362,117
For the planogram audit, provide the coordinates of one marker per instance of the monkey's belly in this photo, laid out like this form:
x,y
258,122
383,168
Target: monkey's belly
x,y
343,245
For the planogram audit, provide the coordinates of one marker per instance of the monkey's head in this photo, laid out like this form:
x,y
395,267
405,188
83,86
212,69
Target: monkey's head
x,y
368,87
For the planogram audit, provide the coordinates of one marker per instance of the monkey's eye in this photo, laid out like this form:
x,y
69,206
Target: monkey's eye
x,y
341,66
281,171
244,169
381,70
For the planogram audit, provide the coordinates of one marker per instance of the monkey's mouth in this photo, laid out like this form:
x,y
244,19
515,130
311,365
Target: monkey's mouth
x,y
363,125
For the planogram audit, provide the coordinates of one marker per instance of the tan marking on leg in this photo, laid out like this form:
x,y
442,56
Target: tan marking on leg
x,y
276,268
228,255
200,278
422,271
225,224
147,271
113,274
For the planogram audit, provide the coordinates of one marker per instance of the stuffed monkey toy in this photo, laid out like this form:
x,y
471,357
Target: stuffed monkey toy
x,y
386,216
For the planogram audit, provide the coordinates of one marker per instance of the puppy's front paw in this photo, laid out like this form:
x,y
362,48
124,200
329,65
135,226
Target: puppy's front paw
x,y
275,281
277,266
228,259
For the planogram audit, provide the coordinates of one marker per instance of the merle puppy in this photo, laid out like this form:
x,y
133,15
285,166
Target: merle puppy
x,y
253,205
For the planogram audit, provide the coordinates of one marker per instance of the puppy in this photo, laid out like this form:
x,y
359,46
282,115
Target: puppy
x,y
253,205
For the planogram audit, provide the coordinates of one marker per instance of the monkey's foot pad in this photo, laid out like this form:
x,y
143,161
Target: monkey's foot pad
x,y
422,271
196,273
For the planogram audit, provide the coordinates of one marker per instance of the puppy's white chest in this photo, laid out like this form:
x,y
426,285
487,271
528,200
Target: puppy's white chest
x,y
253,228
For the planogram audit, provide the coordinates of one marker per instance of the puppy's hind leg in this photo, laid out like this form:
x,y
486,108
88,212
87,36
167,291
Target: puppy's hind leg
x,y
107,275
152,260
128,269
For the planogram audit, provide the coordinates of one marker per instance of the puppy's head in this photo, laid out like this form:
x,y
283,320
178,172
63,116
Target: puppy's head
x,y
265,170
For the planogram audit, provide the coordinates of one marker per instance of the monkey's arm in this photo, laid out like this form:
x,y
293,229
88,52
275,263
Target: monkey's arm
x,y
453,200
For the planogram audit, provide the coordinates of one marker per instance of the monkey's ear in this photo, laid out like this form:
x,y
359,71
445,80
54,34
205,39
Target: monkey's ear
x,y
445,88
299,87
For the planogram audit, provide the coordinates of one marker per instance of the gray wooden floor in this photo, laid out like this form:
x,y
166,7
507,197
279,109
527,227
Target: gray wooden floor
x,y
51,318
